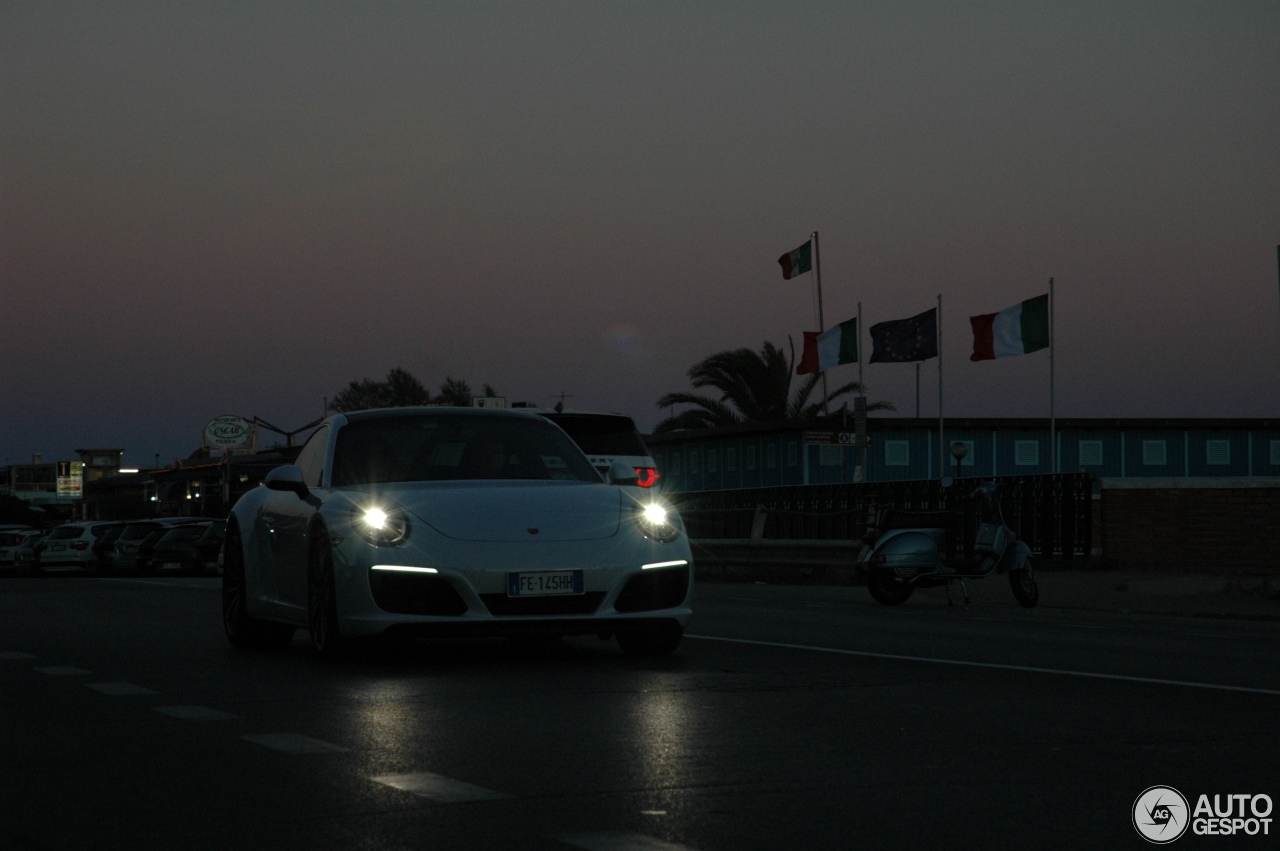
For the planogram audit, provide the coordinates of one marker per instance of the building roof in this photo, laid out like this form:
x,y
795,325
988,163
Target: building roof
x,y
841,423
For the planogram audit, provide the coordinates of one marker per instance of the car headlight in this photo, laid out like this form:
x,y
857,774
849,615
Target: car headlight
x,y
382,527
654,521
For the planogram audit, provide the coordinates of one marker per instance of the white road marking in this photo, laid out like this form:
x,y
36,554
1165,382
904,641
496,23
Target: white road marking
x,y
15,654
120,689
293,743
995,665
619,842
195,713
437,787
203,587
61,671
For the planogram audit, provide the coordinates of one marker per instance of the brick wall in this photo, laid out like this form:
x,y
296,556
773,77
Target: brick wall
x,y
1210,525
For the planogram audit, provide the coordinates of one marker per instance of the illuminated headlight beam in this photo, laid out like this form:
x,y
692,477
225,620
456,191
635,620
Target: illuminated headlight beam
x,y
658,564
655,514
403,569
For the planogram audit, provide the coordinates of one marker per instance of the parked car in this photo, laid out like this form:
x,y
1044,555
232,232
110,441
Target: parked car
x,y
414,522
606,438
10,541
176,549
125,557
105,545
209,548
26,558
70,547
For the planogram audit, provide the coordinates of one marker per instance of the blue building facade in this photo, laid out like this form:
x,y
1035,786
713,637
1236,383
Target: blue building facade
x,y
904,448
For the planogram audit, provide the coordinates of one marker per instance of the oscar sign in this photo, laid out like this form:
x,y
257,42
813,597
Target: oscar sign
x,y
233,433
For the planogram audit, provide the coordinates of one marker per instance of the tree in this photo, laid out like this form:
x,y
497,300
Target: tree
x,y
454,391
754,387
400,390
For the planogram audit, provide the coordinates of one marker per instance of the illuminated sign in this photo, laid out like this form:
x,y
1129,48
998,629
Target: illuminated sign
x,y
234,433
70,480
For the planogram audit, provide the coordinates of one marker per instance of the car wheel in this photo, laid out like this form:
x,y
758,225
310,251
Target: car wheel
x,y
888,589
651,642
243,630
322,602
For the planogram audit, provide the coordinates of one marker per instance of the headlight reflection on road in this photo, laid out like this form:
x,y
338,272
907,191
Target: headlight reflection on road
x,y
665,729
386,718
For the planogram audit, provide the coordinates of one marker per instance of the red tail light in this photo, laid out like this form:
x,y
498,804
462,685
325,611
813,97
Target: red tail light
x,y
647,477
80,545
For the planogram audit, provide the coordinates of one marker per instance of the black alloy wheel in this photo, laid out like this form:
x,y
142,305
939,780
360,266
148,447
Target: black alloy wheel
x,y
662,641
1023,583
322,601
243,630
887,589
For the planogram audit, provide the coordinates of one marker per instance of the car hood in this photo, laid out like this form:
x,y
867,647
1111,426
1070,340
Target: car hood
x,y
514,511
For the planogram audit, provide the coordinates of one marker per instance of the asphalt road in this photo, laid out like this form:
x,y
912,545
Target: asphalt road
x,y
791,718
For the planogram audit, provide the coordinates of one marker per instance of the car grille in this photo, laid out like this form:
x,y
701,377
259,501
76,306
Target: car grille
x,y
414,594
663,588
572,604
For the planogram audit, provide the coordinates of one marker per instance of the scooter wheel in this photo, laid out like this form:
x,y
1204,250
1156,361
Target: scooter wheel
x,y
1023,583
888,589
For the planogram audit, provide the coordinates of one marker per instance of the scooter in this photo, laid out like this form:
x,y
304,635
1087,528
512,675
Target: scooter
x,y
907,552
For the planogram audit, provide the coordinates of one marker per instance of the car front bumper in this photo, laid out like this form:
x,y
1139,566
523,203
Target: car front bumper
x,y
467,594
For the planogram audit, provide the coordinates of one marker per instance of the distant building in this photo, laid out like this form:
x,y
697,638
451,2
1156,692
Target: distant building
x,y
100,463
764,455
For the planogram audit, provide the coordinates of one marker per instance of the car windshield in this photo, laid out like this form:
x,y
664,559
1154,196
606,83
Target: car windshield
x,y
138,531
602,434
444,448
183,533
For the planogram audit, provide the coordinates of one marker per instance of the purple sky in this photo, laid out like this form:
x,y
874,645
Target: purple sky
x,y
237,208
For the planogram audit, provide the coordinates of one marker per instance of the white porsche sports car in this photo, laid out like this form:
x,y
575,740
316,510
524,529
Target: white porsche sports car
x,y
421,522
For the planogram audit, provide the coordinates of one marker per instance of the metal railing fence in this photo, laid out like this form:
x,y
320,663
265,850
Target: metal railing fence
x,y
1052,513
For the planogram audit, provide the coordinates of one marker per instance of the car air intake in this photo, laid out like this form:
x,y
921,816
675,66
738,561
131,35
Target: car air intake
x,y
414,594
570,604
663,588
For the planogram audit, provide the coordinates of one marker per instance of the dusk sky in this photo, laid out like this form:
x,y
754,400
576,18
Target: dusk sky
x,y
238,208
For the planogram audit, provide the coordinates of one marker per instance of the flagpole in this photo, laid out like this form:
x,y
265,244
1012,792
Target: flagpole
x,y
862,388
942,438
1053,440
817,277
917,389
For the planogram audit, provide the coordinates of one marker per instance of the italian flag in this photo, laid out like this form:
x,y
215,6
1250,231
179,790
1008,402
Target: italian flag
x,y
797,262
1016,330
829,348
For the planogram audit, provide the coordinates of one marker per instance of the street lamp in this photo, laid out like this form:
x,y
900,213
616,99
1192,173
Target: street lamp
x,y
958,451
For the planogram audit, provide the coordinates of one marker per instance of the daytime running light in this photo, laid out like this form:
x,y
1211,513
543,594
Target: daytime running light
x,y
680,563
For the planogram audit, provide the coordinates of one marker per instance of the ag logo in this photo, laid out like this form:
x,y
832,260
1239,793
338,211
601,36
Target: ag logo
x,y
1160,814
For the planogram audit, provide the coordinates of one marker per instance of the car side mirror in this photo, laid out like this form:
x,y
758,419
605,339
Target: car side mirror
x,y
623,474
287,478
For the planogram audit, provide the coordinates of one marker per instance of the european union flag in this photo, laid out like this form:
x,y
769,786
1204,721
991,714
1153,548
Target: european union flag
x,y
906,340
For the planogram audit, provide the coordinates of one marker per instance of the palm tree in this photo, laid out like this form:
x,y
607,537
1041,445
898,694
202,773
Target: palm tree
x,y
754,387
401,389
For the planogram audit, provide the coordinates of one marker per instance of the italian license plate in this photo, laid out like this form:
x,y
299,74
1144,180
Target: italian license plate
x,y
171,565
58,547
546,583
